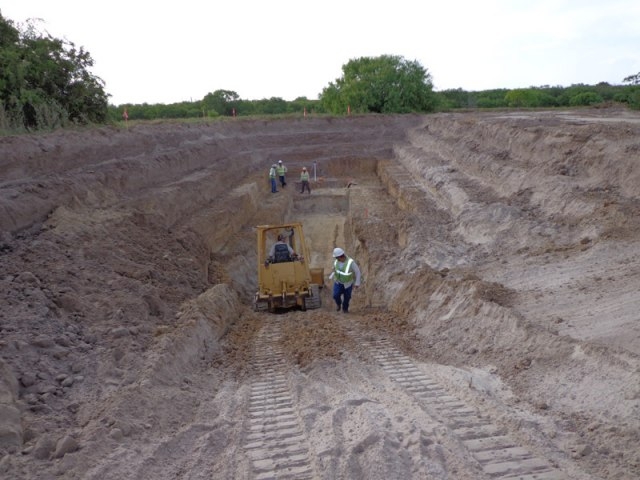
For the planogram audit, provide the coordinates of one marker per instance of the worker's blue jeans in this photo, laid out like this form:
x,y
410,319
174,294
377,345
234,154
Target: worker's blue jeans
x,y
339,291
273,185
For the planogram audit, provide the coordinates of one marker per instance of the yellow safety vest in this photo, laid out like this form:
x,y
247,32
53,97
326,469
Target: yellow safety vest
x,y
343,276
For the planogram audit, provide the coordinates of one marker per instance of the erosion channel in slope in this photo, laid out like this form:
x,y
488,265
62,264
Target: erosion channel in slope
x,y
495,334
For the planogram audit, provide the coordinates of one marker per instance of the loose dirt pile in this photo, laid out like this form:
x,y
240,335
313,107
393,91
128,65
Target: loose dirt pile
x,y
496,334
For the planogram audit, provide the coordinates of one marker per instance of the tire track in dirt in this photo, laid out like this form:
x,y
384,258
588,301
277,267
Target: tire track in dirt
x,y
500,456
275,441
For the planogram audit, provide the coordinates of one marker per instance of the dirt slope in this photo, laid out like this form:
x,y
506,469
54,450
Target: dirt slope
x,y
496,334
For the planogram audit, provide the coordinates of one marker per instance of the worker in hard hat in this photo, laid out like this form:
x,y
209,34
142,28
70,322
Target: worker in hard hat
x,y
281,169
272,178
304,180
346,275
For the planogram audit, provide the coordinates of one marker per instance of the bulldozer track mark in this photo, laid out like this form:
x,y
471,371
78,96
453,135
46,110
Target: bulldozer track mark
x,y
490,445
274,441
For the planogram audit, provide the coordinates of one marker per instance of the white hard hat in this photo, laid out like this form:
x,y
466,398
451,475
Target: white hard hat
x,y
279,161
337,252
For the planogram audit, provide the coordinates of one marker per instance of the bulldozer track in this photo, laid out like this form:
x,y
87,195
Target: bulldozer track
x,y
499,455
275,442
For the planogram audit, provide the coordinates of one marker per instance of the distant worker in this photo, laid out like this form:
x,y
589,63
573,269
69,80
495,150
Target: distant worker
x,y
304,180
281,171
272,178
281,251
346,275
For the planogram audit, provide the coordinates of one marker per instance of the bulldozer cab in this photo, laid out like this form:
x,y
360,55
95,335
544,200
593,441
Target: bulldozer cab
x,y
285,279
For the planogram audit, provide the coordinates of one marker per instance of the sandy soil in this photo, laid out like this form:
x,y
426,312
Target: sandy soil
x,y
496,334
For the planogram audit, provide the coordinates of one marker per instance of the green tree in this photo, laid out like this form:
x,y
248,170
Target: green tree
x,y
384,84
45,82
520,98
271,106
454,98
491,98
633,79
584,99
221,101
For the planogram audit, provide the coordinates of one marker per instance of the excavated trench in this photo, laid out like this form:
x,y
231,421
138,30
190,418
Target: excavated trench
x,y
455,361
283,426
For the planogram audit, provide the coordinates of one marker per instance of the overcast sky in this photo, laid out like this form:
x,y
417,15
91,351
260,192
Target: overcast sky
x,y
166,52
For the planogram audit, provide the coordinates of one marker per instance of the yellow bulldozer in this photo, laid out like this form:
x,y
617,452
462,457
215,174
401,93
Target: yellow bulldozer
x,y
285,279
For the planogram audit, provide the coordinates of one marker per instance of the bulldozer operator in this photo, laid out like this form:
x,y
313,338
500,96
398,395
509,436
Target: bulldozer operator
x,y
281,251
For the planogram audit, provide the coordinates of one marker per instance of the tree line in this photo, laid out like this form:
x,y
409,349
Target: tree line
x,y
225,103
45,83
544,97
